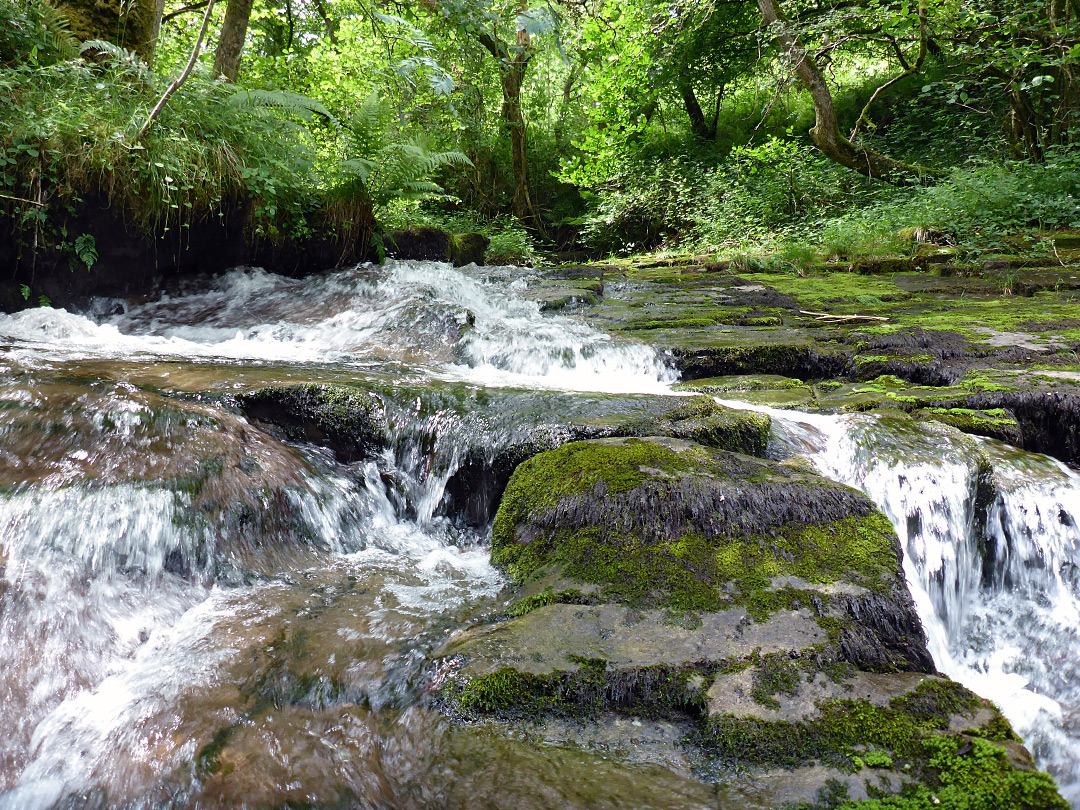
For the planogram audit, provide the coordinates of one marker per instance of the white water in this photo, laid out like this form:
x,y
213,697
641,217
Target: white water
x,y
457,322
997,584
101,638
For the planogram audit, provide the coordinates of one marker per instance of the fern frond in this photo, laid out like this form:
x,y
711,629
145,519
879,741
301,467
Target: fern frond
x,y
281,101
57,30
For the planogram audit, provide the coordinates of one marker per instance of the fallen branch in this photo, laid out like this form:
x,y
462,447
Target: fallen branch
x,y
826,317
21,199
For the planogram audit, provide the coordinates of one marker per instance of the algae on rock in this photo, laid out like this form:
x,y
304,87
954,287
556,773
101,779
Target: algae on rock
x,y
760,605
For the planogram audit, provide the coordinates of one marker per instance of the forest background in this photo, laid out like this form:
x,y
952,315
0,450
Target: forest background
x,y
781,131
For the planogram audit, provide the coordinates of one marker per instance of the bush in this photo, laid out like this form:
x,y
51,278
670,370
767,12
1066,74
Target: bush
x,y
66,131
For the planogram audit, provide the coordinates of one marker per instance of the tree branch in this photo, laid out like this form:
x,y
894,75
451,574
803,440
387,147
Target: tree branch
x,y
172,88
193,7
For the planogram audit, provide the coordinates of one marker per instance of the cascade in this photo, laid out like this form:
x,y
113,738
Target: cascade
x,y
146,604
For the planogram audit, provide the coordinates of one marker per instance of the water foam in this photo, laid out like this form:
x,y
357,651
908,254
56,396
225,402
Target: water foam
x,y
457,322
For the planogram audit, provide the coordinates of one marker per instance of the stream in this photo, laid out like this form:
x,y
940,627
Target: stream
x,y
196,613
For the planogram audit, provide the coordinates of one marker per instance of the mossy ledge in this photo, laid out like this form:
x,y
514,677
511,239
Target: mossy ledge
x,y
760,606
660,522
349,421
935,745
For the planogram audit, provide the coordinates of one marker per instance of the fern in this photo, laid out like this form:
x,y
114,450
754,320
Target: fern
x,y
35,31
394,170
403,171
259,102
126,60
56,31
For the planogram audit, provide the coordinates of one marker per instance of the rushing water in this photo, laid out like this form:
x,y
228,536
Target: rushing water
x,y
194,613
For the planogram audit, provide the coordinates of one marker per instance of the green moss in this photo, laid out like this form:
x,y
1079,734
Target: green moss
x,y
583,693
969,774
953,770
501,691
995,424
549,596
702,420
753,382
690,572
674,323
346,418
873,759
775,673
576,468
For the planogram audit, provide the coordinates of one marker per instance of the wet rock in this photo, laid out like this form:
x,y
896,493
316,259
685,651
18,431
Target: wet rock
x,y
420,244
1048,420
802,360
760,604
436,245
467,248
348,420
996,423
474,488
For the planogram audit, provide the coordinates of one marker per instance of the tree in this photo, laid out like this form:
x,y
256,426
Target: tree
x,y
231,41
130,25
512,53
826,132
1025,53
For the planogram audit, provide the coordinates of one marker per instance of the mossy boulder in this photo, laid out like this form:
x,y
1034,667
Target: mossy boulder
x,y
436,245
665,523
467,248
758,604
347,420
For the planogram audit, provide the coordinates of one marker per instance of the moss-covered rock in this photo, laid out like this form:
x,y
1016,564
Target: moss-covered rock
x,y
663,522
348,420
759,603
996,423
467,248
702,420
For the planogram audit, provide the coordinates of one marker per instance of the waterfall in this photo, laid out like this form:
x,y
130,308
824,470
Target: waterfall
x,y
165,564
991,540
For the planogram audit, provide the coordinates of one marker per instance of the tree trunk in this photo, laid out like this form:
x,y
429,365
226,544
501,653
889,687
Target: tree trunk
x,y
698,125
127,24
155,31
826,131
512,77
231,42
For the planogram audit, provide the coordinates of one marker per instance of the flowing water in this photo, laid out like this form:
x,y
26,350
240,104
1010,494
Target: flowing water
x,y
196,613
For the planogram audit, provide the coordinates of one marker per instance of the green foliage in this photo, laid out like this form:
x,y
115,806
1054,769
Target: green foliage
x,y
390,171
85,249
34,31
66,133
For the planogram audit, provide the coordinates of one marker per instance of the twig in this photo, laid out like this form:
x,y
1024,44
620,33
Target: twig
x,y
20,199
827,317
174,14
182,77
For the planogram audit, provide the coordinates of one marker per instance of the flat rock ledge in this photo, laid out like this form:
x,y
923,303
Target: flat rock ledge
x,y
737,621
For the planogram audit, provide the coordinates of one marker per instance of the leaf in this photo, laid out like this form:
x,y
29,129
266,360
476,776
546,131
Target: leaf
x,y
537,21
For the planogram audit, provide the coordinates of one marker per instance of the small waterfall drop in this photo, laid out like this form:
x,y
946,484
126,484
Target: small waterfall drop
x,y
991,539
